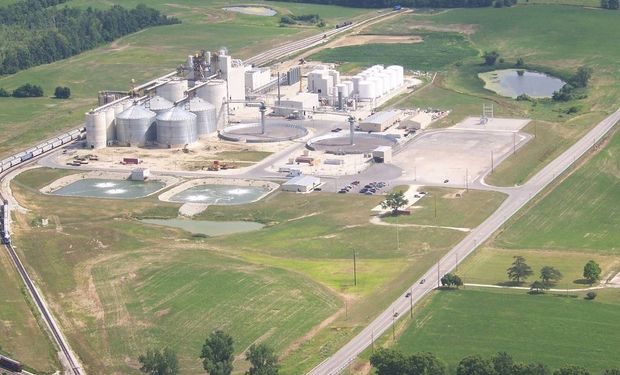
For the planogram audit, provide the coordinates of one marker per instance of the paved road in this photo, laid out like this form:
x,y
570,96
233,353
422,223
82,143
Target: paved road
x,y
518,197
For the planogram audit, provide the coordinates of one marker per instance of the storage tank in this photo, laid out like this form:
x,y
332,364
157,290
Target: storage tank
x,y
387,84
135,126
356,83
213,92
109,125
378,85
393,78
205,115
159,104
400,73
127,104
367,90
96,130
342,88
173,90
349,85
176,127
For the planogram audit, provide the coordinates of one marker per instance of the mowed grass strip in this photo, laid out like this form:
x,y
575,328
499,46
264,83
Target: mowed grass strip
x,y
581,213
451,207
545,328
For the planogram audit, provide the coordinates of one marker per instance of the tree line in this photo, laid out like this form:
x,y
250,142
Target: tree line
x,y
46,33
28,90
405,3
393,362
610,4
217,358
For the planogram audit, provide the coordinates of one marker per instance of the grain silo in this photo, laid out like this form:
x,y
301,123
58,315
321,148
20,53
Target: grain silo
x,y
205,115
213,92
110,124
159,104
96,130
173,90
135,126
176,127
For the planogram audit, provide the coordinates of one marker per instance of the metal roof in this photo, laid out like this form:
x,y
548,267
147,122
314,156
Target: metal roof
x,y
381,117
136,112
303,180
158,103
197,104
175,114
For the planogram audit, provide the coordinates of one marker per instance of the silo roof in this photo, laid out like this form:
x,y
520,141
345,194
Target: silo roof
x,y
136,112
157,103
175,114
198,104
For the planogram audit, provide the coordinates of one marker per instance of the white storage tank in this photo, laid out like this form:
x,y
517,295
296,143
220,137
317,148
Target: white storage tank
x,y
205,115
349,85
135,126
176,127
109,124
213,92
96,130
400,73
367,90
387,84
173,90
159,104
393,77
342,88
356,83
127,104
378,86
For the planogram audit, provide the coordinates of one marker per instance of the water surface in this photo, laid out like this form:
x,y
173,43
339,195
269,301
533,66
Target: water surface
x,y
209,228
220,194
508,82
115,189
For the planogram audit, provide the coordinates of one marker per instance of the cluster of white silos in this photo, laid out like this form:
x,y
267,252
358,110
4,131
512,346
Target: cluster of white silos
x,y
377,81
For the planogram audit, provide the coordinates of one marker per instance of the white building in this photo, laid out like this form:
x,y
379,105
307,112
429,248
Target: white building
x,y
420,120
301,184
300,103
382,154
322,81
140,174
233,71
257,77
379,121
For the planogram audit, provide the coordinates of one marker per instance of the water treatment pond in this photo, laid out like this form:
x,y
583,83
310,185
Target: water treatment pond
x,y
220,194
253,10
103,188
508,82
209,228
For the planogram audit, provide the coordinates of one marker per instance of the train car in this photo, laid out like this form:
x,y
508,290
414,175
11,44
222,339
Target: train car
x,y
66,139
10,364
37,152
15,162
5,232
56,143
27,156
47,147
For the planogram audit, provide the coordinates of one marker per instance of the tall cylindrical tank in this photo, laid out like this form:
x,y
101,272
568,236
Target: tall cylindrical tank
x,y
393,77
378,85
342,89
159,104
96,130
367,90
135,126
109,124
173,90
176,127
205,115
213,92
400,73
356,83
385,78
349,87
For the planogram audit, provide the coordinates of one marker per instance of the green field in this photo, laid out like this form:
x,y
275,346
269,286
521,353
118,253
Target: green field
x,y
444,208
582,213
548,329
120,286
142,56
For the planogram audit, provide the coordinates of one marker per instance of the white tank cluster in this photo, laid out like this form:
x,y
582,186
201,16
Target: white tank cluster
x,y
377,81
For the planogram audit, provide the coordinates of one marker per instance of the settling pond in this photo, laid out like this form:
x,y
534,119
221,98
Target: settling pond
x,y
252,10
220,194
208,228
508,82
109,188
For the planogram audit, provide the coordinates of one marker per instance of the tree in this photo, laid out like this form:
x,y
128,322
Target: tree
x,y
217,353
592,272
388,362
490,57
263,360
475,365
502,363
538,287
451,280
156,362
28,91
582,77
571,370
519,269
549,275
520,62
62,92
530,369
394,200
4,93
614,4
613,371
425,363
590,296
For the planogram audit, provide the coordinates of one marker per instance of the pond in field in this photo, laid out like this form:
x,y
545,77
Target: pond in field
x,y
252,10
508,82
220,194
209,228
109,188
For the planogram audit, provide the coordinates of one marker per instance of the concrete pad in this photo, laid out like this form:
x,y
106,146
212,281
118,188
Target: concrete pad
x,y
493,124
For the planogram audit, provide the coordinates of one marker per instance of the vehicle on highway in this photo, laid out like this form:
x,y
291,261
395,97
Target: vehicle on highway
x,y
422,281
336,130
408,295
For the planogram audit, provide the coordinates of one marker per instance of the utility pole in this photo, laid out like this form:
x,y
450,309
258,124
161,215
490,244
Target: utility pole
x,y
354,269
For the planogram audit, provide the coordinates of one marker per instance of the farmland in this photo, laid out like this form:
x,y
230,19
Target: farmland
x,y
566,330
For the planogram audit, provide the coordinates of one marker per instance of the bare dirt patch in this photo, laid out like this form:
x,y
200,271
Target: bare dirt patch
x,y
467,29
356,40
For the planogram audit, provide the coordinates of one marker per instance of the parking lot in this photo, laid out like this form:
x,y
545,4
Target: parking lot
x,y
451,156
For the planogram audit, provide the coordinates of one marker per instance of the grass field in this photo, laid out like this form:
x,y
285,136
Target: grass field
x,y
119,286
548,329
466,211
582,213
205,26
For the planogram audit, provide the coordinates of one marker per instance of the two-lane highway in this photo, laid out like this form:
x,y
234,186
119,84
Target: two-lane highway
x,y
518,197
